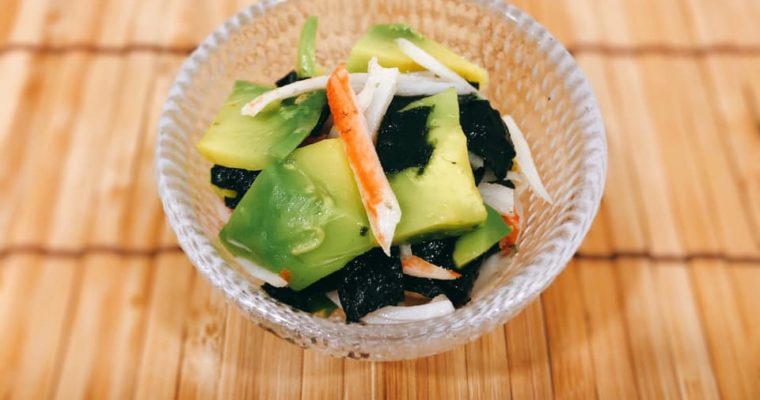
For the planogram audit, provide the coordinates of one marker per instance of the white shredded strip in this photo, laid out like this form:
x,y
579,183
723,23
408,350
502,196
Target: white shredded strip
x,y
405,250
437,307
333,296
475,161
422,74
525,160
408,85
500,198
377,94
261,273
488,277
297,88
515,177
521,186
429,62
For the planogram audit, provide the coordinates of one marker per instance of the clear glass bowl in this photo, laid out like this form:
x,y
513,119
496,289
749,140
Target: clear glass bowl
x,y
532,77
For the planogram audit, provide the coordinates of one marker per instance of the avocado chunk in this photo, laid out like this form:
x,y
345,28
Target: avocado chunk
x,y
472,244
379,41
305,300
251,143
306,62
442,199
302,218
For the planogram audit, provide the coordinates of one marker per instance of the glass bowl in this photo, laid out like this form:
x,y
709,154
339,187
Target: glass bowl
x,y
532,77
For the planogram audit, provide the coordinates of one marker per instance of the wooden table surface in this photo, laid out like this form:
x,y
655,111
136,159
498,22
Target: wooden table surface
x,y
97,301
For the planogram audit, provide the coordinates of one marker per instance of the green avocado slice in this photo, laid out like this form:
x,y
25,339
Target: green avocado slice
x,y
303,217
306,63
442,200
380,42
472,244
239,141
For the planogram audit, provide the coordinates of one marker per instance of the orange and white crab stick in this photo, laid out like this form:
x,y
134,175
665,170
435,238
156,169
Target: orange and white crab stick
x,y
383,210
421,268
416,266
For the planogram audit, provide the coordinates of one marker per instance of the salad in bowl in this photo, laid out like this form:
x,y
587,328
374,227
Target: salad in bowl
x,y
376,191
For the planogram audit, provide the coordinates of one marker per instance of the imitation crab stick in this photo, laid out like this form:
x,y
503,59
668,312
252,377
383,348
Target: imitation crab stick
x,y
420,268
383,210
506,243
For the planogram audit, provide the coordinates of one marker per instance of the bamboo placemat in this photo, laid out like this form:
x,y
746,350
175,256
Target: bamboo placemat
x,y
97,301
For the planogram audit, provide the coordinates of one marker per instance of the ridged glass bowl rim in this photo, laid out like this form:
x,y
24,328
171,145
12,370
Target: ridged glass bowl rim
x,y
466,323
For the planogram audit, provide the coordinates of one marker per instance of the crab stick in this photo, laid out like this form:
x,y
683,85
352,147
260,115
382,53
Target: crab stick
x,y
381,205
506,243
420,268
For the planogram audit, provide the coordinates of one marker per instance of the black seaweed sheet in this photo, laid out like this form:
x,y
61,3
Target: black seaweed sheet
x,y
440,252
370,281
487,135
236,179
402,138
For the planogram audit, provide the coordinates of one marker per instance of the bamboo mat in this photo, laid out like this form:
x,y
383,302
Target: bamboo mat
x,y
97,301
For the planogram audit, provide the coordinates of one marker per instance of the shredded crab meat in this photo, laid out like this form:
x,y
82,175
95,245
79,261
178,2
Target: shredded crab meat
x,y
424,59
377,94
420,268
408,85
500,198
380,203
525,160
437,307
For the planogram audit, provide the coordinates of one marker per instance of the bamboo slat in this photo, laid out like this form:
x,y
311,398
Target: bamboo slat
x,y
203,342
661,302
530,370
487,363
572,366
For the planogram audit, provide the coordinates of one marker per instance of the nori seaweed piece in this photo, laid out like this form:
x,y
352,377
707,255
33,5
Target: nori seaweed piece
x,y
289,78
288,296
399,102
232,202
402,140
236,179
506,183
478,174
304,300
438,252
487,135
317,130
457,290
371,281
328,283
